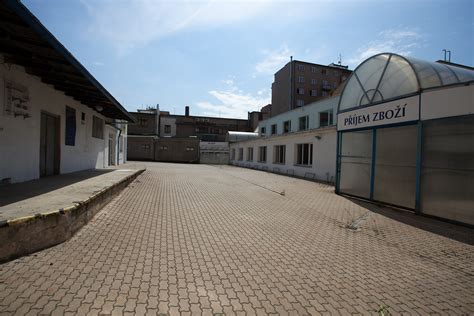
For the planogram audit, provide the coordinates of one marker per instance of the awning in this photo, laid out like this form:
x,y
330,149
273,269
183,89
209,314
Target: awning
x,y
26,42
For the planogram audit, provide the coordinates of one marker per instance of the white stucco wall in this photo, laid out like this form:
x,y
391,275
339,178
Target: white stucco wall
x,y
324,153
312,110
20,137
447,101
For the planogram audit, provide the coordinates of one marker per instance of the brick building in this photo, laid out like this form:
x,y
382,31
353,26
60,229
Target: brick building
x,y
300,83
161,136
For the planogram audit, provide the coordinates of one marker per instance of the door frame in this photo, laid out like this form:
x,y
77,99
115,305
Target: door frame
x,y
57,156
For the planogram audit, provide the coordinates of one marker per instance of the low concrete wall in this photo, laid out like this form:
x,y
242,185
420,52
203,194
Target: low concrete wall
x,y
29,234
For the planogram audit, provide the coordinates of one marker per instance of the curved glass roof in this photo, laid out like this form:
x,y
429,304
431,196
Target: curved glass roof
x,y
387,76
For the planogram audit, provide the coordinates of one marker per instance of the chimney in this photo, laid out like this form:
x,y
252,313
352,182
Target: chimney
x,y
186,111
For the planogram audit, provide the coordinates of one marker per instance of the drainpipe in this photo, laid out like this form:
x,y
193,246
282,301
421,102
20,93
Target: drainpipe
x,y
291,84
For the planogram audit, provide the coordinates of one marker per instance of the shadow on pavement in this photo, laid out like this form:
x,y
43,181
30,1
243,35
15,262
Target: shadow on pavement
x,y
12,193
436,226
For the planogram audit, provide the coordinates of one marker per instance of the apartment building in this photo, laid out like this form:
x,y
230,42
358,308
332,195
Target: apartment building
x,y
300,83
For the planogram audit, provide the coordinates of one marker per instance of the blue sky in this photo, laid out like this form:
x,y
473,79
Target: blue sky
x,y
219,57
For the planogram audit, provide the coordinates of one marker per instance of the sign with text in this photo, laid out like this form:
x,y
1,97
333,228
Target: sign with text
x,y
399,111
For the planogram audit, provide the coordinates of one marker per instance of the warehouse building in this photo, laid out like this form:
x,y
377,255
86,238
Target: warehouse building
x,y
300,142
54,116
406,136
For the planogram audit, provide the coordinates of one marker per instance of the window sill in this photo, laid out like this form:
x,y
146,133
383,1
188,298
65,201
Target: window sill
x,y
279,163
303,166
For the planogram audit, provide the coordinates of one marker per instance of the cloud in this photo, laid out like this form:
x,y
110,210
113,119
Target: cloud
x,y
273,60
98,63
130,24
393,41
233,102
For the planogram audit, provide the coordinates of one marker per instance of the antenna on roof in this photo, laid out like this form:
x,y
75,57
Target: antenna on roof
x,y
340,60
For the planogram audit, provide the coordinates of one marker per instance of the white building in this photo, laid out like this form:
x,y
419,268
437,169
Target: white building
x,y
54,116
406,136
301,143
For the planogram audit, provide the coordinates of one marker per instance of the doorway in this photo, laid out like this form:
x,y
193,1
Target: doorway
x,y
111,150
49,145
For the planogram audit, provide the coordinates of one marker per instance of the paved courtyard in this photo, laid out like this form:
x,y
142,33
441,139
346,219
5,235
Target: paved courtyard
x,y
198,239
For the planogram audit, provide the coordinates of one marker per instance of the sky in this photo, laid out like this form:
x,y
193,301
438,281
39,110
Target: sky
x,y
219,57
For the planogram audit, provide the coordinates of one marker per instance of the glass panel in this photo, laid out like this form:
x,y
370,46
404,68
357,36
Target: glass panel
x,y
462,73
369,72
426,73
395,166
399,79
447,76
356,158
447,179
352,94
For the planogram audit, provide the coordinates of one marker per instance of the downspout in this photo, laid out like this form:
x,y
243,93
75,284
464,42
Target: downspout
x,y
291,84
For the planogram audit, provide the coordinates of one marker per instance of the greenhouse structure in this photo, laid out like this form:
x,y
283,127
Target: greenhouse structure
x,y
406,136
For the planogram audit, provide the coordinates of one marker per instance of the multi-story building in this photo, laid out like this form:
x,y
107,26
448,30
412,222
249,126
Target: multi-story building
x,y
300,142
159,135
205,128
300,83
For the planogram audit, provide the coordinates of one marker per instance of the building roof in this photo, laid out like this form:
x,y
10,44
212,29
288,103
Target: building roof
x,y
389,76
26,42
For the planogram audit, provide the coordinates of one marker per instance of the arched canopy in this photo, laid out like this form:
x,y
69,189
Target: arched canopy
x,y
389,76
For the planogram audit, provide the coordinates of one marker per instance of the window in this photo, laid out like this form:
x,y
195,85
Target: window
x,y
303,123
314,82
274,129
250,154
304,154
301,79
241,154
325,118
313,69
299,102
300,90
324,94
323,71
336,73
279,154
167,129
233,154
325,83
313,93
334,85
262,131
142,122
70,126
97,127
262,154
83,118
300,67
286,126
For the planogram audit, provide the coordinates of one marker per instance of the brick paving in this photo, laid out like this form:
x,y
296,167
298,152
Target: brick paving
x,y
197,239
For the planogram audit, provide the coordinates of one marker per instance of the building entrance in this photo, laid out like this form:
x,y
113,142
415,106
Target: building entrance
x,y
49,145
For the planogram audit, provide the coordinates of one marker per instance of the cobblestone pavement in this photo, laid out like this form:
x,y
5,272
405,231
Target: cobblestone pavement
x,y
197,239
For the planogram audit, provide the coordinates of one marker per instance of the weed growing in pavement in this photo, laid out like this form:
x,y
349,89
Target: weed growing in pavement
x,y
383,310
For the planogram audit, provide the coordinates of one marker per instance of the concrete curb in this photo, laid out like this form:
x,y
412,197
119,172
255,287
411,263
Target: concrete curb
x,y
25,235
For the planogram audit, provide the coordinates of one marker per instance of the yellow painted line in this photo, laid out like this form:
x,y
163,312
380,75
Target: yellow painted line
x,y
20,220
